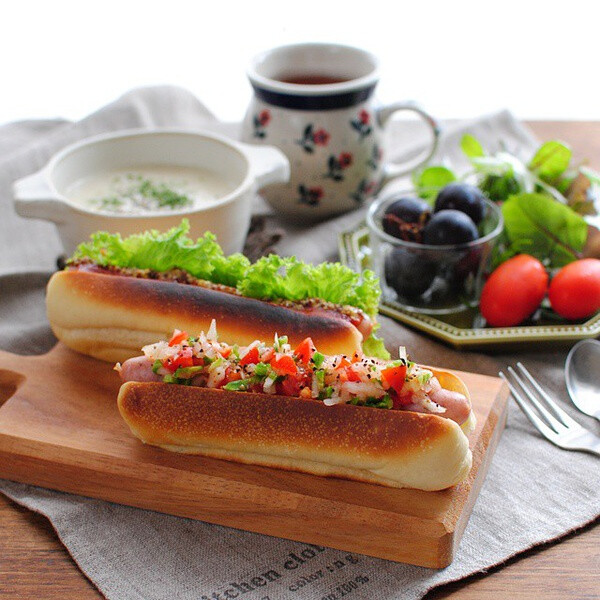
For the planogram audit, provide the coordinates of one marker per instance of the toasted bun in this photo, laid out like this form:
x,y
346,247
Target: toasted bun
x,y
387,447
111,317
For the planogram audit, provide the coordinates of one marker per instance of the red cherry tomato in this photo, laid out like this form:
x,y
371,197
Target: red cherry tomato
x,y
513,291
575,289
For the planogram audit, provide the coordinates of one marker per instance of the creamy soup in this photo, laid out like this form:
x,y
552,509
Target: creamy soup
x,y
149,189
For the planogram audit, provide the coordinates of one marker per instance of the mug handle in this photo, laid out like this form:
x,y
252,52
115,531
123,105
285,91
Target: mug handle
x,y
383,115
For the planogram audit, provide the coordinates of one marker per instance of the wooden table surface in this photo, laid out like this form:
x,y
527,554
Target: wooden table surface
x,y
34,564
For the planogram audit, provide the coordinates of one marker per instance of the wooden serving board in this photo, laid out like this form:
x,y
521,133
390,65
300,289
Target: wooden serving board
x,y
60,428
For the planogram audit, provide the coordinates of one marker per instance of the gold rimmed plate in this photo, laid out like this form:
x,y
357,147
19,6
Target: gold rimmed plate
x,y
460,329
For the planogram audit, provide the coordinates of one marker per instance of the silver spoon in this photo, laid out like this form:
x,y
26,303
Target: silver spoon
x,y
582,375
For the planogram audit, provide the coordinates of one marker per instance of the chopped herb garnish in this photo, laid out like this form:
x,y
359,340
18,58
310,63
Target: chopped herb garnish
x,y
326,393
383,402
261,370
318,359
320,375
237,386
143,193
186,372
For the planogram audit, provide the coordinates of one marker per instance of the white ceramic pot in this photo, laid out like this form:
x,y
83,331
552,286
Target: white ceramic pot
x,y
43,195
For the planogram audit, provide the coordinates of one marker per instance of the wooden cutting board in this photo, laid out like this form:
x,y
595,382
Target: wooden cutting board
x,y
60,428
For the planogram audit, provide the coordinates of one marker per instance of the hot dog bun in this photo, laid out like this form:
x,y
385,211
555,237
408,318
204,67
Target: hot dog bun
x,y
389,447
111,317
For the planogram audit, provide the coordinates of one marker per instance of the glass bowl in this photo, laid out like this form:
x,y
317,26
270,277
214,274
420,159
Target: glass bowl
x,y
431,279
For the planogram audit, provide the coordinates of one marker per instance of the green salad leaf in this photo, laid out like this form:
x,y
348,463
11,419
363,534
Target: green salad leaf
x,y
544,228
471,146
551,160
431,179
271,277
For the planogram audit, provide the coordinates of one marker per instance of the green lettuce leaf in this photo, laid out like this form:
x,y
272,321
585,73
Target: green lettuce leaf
x,y
286,277
173,249
271,277
550,231
374,346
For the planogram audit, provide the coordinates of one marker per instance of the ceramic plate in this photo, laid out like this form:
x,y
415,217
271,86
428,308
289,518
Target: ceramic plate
x,y
458,329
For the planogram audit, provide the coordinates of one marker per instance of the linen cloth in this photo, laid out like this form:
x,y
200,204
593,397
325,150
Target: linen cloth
x,y
533,492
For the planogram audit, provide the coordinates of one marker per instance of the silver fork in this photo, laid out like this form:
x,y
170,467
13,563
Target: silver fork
x,y
550,420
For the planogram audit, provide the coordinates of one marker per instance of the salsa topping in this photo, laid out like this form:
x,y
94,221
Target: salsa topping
x,y
301,372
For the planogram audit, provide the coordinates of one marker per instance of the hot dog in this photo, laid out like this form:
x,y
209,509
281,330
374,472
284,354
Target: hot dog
x,y
388,422
117,295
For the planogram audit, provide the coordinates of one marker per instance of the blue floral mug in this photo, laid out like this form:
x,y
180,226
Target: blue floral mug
x,y
315,102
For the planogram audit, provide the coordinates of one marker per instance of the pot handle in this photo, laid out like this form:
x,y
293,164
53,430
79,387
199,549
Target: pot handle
x,y
34,198
383,115
268,164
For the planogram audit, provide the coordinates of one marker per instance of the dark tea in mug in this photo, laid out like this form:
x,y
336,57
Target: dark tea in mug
x,y
309,79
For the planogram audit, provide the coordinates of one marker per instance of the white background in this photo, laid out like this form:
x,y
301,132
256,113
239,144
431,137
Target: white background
x,y
458,58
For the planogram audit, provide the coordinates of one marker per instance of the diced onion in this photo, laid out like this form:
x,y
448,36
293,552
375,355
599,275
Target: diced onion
x,y
215,377
212,331
269,386
333,401
362,389
314,388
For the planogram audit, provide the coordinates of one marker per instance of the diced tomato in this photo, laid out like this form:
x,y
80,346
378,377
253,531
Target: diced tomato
x,y
351,374
178,337
172,364
394,377
267,355
290,386
305,350
251,357
401,401
344,362
230,375
225,352
284,364
197,360
357,357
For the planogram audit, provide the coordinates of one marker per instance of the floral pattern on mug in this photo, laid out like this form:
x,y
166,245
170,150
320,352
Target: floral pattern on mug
x,y
311,196
376,156
261,120
362,124
311,138
364,190
337,164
